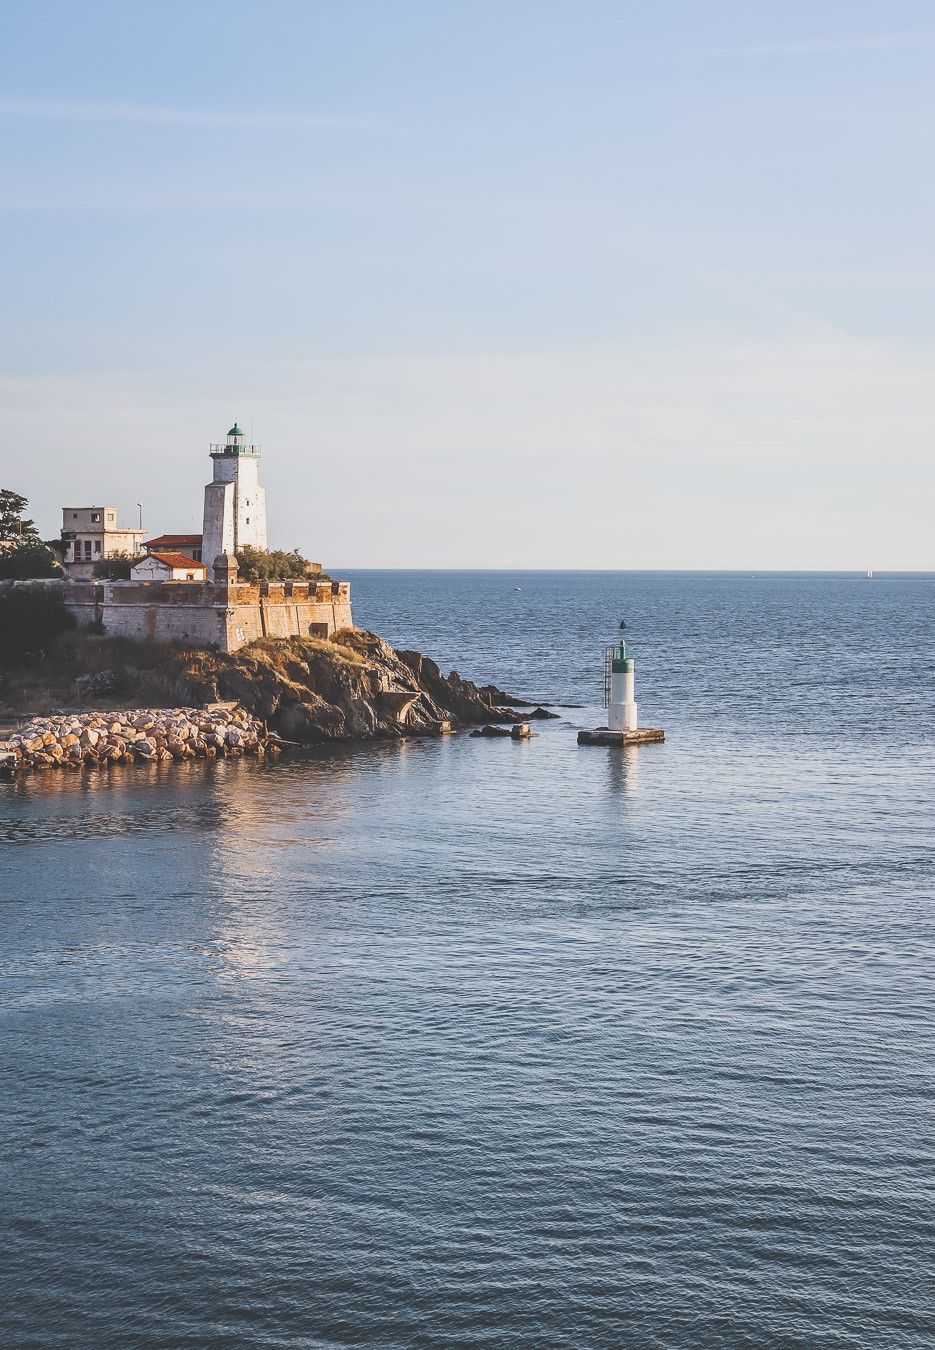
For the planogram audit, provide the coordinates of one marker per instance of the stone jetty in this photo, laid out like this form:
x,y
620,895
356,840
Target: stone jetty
x,y
141,736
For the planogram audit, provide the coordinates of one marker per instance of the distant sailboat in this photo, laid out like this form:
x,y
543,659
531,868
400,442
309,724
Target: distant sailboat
x,y
869,573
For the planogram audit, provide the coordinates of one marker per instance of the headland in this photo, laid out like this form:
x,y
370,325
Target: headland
x,y
301,691
124,654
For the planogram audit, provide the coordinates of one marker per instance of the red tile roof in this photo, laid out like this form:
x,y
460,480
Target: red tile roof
x,y
170,541
177,560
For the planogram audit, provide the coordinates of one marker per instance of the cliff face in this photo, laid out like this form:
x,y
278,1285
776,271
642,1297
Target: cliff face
x,y
353,686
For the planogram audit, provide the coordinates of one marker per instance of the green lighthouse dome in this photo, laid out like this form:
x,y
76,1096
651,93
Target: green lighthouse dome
x,y
235,430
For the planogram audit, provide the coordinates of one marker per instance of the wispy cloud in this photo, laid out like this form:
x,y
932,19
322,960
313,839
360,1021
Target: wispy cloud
x,y
154,114
833,46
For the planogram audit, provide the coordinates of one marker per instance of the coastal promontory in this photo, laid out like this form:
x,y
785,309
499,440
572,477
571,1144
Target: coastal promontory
x,y
307,691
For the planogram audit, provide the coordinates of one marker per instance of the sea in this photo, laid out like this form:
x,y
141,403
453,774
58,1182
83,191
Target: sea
x,y
476,1042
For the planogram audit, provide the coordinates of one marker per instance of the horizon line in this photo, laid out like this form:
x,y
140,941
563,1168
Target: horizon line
x,y
656,571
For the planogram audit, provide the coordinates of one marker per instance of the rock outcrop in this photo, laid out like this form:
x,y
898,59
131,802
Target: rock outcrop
x,y
353,687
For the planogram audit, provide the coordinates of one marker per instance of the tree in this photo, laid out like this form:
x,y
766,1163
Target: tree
x,y
117,566
260,564
29,622
13,524
32,558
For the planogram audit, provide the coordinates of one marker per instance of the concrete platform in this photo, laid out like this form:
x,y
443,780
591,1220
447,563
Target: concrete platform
x,y
604,736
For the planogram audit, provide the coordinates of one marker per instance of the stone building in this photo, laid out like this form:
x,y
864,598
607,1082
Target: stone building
x,y
189,544
235,504
175,596
226,613
90,534
167,567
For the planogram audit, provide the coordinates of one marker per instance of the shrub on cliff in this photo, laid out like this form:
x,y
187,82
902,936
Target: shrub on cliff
x,y
260,564
30,620
116,567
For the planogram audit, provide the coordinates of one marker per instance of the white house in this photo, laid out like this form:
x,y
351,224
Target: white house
x,y
90,534
167,567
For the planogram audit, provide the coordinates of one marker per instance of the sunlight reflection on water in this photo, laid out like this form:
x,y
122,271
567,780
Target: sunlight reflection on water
x,y
474,1042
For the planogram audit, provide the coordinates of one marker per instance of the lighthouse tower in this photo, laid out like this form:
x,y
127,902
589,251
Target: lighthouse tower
x,y
235,504
621,709
622,727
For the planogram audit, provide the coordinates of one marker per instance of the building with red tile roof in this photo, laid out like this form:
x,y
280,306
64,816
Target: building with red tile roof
x,y
168,566
189,544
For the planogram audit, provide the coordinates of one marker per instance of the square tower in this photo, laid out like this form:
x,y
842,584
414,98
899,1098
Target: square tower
x,y
235,504
90,534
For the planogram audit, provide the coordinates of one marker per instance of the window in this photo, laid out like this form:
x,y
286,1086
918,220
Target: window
x,y
248,520
189,576
87,550
110,517
74,515
97,546
95,515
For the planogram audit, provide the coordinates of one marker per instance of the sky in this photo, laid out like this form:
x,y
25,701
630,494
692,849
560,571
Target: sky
x,y
495,283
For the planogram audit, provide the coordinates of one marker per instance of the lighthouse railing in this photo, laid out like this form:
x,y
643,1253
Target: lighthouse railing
x,y
609,654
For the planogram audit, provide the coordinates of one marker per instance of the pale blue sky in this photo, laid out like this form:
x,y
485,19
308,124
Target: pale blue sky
x,y
521,283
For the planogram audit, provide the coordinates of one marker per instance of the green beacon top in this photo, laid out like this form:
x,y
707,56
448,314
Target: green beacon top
x,y
621,663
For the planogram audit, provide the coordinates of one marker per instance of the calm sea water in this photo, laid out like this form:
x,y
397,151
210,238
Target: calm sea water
x,y
496,1044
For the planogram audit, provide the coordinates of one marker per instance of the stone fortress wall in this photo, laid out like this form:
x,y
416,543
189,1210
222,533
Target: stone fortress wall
x,y
226,616
223,615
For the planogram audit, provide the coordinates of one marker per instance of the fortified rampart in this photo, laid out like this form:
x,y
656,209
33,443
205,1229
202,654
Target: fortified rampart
x,y
226,616
213,614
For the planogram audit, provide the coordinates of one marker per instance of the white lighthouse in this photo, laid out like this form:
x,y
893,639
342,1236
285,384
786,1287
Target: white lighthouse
x,y
235,504
621,709
622,726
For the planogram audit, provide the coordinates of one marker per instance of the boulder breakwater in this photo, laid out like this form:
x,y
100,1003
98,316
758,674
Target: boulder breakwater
x,y
144,736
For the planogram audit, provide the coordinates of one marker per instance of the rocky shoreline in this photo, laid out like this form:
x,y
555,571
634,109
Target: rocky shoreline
x,y
353,687
145,736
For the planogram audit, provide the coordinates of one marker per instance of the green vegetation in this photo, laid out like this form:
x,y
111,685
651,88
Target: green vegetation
x,y
13,524
257,564
58,664
116,567
22,552
30,622
30,559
